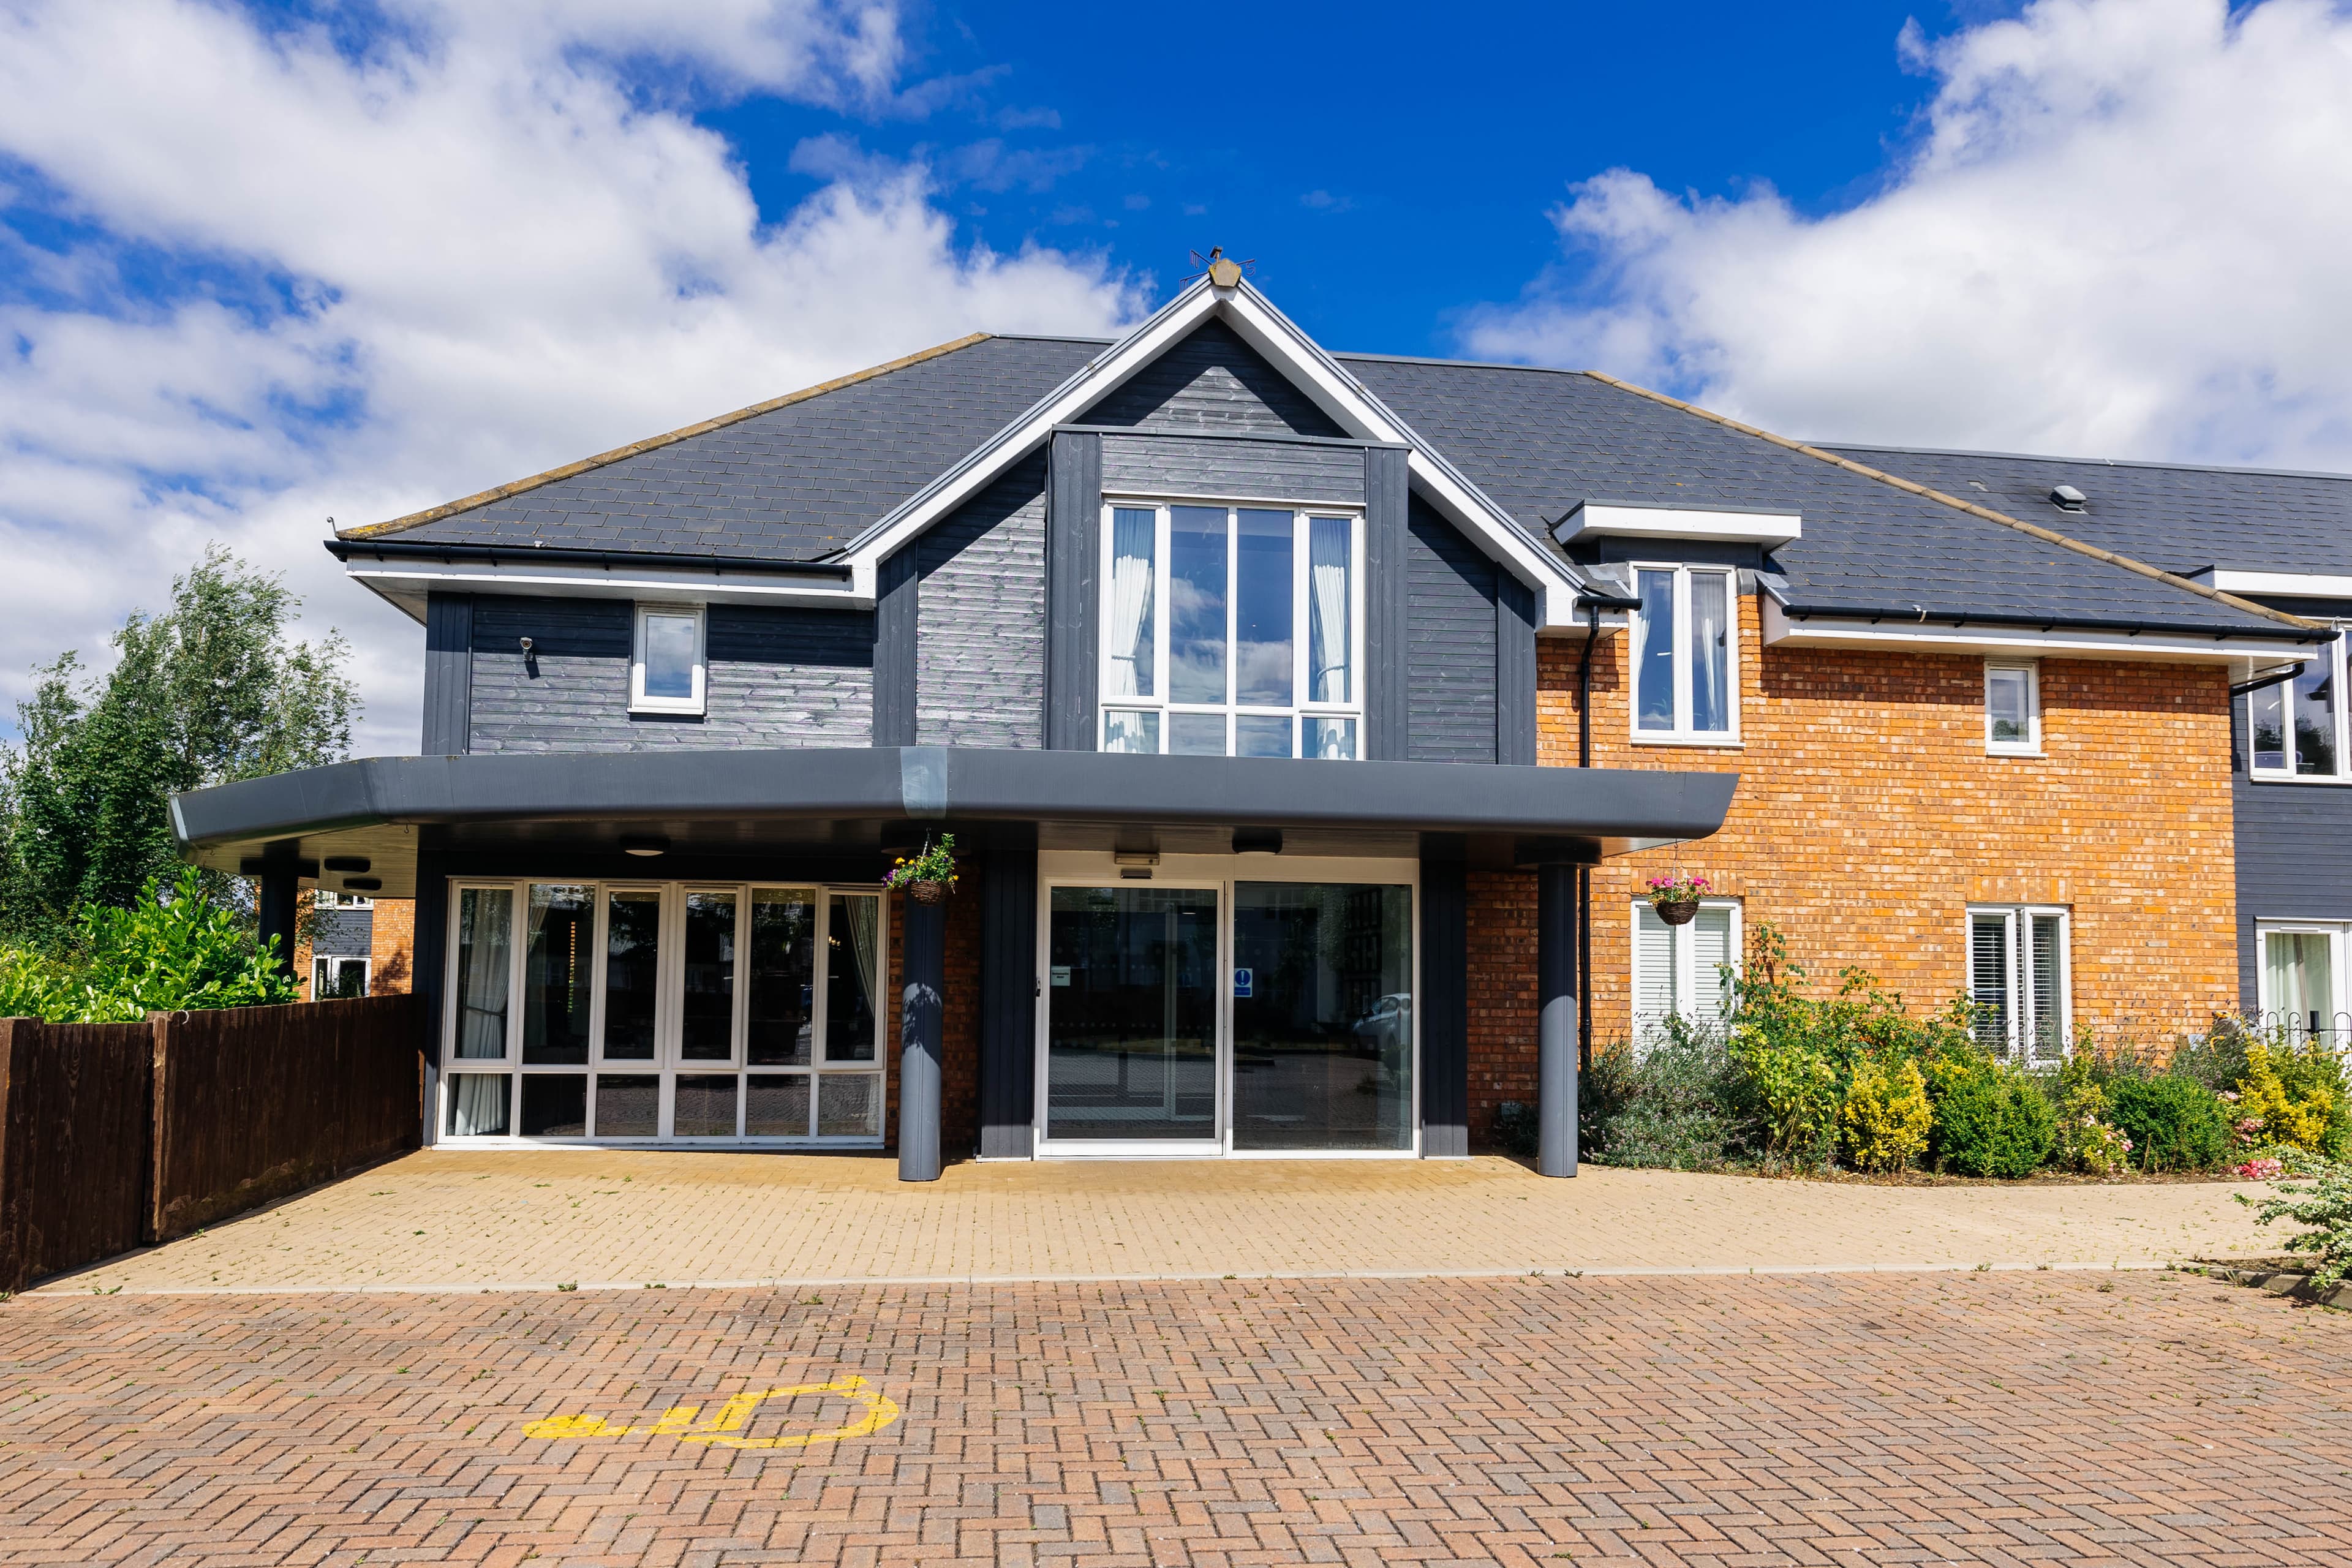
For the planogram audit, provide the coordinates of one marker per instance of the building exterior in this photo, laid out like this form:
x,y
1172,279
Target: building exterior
x,y
1307,725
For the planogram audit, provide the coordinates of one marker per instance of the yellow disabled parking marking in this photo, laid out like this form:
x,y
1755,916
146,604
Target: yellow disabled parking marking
x,y
722,1429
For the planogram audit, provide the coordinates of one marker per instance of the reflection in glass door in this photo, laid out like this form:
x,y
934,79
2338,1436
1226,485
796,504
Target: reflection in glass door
x,y
1131,1015
1322,1017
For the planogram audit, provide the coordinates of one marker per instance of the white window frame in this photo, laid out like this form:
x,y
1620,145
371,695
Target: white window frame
x,y
2031,746
1682,734
666,1064
641,703
2339,1028
1686,959
2021,1022
328,899
1300,708
341,961
2337,655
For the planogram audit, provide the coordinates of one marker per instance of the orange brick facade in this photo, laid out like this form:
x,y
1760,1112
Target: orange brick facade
x,y
1869,816
392,952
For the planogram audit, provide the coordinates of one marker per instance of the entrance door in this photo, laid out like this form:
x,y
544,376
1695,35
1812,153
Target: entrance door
x,y
1131,1019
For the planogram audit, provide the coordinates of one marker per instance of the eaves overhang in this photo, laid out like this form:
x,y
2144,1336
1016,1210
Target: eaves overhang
x,y
1921,630
406,573
375,805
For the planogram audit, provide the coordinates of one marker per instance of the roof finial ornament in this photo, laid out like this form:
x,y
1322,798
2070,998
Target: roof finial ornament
x,y
1221,270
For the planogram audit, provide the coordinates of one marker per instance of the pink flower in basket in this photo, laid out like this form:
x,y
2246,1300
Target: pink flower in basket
x,y
2264,1170
1678,888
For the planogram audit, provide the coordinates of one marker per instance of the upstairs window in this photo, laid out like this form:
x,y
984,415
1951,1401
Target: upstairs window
x,y
2297,726
1686,677
2013,710
667,673
2018,981
1232,631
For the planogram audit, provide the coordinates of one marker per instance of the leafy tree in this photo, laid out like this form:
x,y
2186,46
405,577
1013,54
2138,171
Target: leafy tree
x,y
166,952
213,689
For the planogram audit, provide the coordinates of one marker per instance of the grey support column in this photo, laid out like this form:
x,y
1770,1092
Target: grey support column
x,y
1556,1001
920,1019
281,888
1072,547
1388,500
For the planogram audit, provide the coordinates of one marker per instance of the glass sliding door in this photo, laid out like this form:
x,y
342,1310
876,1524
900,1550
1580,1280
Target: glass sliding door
x,y
1131,1015
1322,1017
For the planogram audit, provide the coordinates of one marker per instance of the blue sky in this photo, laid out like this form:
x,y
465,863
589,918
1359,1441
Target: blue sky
x,y
1401,181
263,264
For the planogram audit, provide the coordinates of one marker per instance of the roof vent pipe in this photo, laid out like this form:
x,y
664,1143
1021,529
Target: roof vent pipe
x,y
2068,498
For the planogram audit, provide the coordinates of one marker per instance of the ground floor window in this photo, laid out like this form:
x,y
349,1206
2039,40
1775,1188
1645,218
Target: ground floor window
x,y
664,1010
2304,978
1197,1015
2020,982
1683,971
333,977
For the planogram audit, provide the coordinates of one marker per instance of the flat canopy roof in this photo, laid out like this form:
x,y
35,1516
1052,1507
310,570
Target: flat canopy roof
x,y
837,800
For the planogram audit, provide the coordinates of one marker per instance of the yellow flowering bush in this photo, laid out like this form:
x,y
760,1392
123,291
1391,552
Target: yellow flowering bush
x,y
1886,1116
2295,1113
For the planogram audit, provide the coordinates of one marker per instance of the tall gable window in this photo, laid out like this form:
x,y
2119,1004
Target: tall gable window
x,y
1684,641
666,670
1230,631
2298,728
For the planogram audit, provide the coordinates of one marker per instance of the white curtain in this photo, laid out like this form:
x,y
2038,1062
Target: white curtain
x,y
1710,651
479,1105
1327,606
486,926
865,924
1130,637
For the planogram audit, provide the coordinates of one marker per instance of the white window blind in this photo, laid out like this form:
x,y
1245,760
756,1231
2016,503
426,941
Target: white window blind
x,y
1678,970
2018,981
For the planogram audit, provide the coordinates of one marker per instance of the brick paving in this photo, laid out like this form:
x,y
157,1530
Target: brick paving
x,y
2004,1418
501,1219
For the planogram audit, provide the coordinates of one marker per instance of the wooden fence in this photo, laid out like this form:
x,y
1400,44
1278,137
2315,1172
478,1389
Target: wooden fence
x,y
112,1135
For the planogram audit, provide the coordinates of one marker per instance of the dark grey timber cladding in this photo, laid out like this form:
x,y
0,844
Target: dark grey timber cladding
x,y
980,656
1515,671
898,612
1387,602
1233,468
1072,530
2294,859
777,677
1450,626
1213,381
1008,989
448,674
429,949
1444,998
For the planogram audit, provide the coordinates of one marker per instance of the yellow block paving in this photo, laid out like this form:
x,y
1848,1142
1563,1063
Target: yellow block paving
x,y
591,1217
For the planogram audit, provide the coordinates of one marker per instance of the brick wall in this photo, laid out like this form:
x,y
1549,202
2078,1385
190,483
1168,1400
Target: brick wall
x,y
1868,816
1502,964
392,951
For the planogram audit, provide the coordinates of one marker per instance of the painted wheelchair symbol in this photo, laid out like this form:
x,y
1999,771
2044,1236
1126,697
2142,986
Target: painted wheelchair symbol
x,y
723,1429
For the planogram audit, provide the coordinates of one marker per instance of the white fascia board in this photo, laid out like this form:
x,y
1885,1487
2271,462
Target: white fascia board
x,y
1781,628
2306,584
406,583
1631,520
1291,350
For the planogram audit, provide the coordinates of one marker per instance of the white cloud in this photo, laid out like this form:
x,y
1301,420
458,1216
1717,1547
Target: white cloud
x,y
406,271
2122,233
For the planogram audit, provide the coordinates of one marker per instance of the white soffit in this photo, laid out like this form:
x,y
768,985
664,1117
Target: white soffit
x,y
1722,525
2308,585
406,583
1782,629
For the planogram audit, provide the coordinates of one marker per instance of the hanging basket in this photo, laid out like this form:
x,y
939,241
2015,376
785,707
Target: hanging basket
x,y
936,893
1677,911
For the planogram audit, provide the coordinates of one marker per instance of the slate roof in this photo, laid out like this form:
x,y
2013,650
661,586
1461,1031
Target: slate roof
x,y
1540,441
2176,516
795,484
799,481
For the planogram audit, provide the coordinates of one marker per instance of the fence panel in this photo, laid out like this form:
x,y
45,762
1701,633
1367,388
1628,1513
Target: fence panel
x,y
75,1122
255,1103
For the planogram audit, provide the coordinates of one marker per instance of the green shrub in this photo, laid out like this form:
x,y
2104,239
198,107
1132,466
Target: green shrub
x,y
1886,1117
1991,1120
160,955
2294,1094
2325,1205
2175,1122
1671,1107
1796,1096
